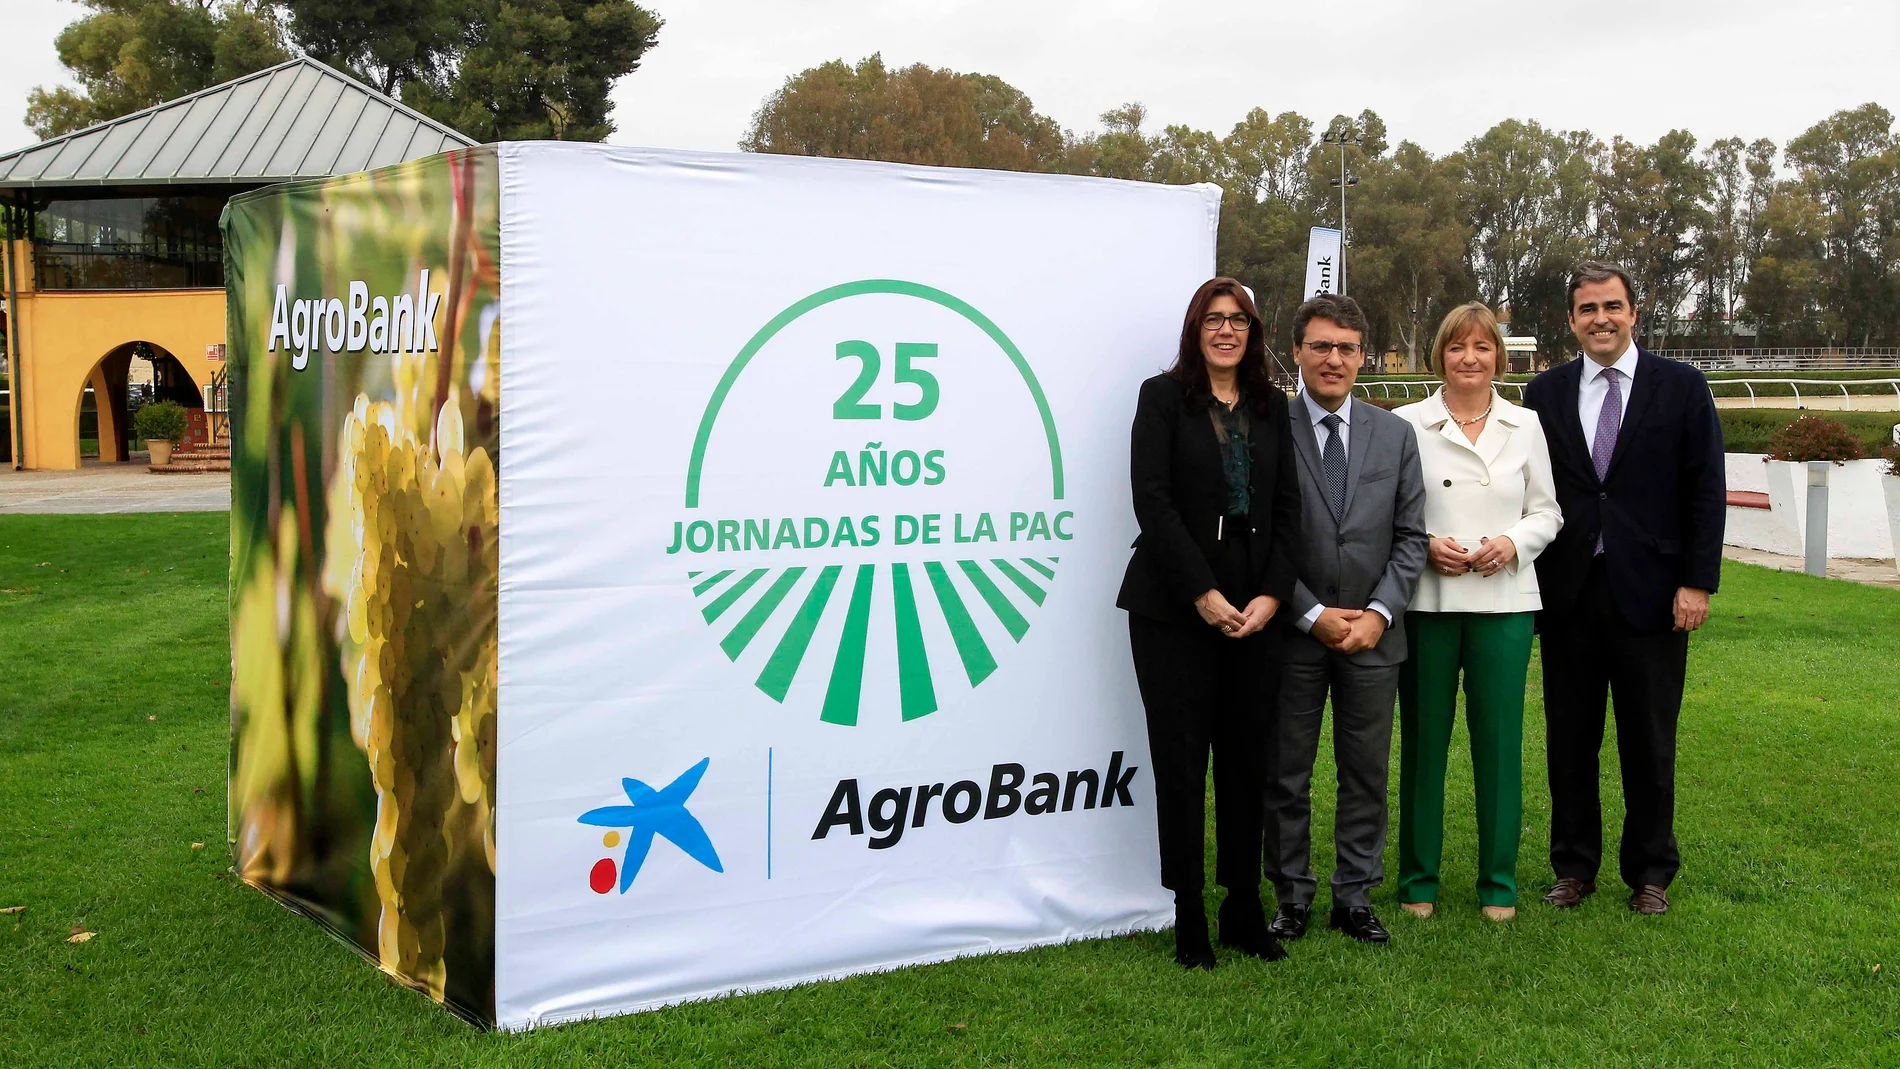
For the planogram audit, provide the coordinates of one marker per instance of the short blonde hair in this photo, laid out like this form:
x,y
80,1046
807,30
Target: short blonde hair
x,y
1473,318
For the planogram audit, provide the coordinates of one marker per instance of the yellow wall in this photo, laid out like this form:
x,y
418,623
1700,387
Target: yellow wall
x,y
62,336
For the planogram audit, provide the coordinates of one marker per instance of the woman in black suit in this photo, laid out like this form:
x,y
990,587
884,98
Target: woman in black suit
x,y
1218,502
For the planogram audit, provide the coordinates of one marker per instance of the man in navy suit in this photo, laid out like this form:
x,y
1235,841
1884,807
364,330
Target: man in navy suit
x,y
1637,453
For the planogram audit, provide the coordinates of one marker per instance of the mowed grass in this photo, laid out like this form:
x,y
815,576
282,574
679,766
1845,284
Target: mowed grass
x,y
1781,948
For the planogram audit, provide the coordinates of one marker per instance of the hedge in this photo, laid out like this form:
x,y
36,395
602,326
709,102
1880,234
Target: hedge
x,y
1747,430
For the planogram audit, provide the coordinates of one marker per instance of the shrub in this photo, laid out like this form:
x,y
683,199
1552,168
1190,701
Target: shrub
x,y
1749,430
163,421
1891,454
1815,438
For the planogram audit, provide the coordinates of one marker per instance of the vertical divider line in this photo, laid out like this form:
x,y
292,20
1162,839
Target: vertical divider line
x,y
768,812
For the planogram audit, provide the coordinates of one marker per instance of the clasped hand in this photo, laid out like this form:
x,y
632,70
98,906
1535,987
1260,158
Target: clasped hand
x,y
1236,623
1349,630
1447,557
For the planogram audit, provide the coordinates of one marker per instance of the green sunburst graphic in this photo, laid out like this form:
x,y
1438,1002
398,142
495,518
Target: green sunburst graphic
x,y
941,614
794,620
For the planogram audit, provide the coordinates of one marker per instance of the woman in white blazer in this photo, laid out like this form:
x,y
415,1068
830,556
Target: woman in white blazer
x,y
1491,508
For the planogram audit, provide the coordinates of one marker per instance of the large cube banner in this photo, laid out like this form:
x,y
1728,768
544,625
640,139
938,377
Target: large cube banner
x,y
665,575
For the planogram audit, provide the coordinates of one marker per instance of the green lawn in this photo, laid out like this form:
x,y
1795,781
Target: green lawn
x,y
1781,948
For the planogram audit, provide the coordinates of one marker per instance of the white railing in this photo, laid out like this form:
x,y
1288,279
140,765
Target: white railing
x,y
1847,398
1425,388
1788,359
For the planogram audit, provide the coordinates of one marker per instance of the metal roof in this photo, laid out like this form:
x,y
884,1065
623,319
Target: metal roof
x,y
299,119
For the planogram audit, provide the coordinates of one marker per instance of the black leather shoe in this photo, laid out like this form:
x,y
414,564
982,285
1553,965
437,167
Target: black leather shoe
x,y
1191,948
1360,923
1289,922
1244,927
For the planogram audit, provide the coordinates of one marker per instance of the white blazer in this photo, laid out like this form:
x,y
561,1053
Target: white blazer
x,y
1499,485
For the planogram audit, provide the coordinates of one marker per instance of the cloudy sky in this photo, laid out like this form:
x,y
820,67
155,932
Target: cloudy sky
x,y
1438,72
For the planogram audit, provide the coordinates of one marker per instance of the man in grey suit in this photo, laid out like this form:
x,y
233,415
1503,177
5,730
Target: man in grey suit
x,y
1362,547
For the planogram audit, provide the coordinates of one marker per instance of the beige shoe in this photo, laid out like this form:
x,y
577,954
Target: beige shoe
x,y
1418,909
1500,913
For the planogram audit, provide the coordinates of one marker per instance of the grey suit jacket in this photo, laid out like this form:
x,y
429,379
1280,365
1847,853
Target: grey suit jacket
x,y
1376,550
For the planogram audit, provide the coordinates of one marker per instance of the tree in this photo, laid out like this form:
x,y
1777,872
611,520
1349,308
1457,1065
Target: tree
x,y
1741,176
1505,219
387,43
1408,265
1267,213
542,69
1528,193
913,115
1784,282
493,69
1652,206
1849,165
132,54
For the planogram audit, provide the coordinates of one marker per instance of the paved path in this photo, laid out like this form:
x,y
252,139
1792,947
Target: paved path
x,y
112,488
1855,569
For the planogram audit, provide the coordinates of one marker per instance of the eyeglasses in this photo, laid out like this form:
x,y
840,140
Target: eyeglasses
x,y
1238,320
1347,349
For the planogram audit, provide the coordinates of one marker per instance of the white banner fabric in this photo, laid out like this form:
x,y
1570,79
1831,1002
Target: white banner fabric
x,y
1322,262
814,490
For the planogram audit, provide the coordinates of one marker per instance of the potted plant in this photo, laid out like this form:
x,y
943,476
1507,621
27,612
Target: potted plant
x,y
1890,489
161,425
1808,438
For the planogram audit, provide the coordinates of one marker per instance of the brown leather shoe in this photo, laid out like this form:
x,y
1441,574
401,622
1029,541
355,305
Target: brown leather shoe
x,y
1650,900
1570,892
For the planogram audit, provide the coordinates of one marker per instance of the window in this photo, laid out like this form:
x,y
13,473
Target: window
x,y
129,243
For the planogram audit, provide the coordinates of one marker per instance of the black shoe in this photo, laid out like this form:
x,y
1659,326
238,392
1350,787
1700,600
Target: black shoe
x,y
1191,948
1360,923
1289,922
1244,927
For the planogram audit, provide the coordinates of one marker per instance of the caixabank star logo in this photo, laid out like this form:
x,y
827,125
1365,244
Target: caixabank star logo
x,y
649,814
873,510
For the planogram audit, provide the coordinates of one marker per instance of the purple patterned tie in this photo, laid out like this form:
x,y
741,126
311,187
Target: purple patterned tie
x,y
1608,421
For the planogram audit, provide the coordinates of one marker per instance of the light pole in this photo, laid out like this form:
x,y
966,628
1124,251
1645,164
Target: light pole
x,y
1342,138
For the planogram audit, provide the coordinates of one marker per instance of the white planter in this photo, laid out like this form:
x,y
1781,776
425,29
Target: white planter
x,y
1890,489
1858,517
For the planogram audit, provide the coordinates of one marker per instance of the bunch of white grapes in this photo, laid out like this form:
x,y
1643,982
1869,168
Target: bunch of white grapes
x,y
411,559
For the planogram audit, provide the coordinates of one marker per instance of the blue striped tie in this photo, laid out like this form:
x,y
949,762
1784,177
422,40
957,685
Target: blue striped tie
x,y
1333,460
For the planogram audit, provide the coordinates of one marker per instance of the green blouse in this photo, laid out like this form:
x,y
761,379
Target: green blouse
x,y
1233,431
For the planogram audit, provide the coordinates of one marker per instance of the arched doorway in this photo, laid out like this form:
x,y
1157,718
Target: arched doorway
x,y
124,380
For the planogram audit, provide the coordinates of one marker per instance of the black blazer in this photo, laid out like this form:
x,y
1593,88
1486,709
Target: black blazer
x,y
1180,492
1662,507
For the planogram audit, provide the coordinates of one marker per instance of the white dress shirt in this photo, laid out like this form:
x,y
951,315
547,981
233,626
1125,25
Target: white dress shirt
x,y
1317,414
1497,486
1594,388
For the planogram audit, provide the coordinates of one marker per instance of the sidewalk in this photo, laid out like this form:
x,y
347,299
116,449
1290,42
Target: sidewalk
x,y
1854,569
101,487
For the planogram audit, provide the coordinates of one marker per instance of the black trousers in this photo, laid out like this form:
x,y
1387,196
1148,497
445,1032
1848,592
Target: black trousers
x,y
1592,655
1204,691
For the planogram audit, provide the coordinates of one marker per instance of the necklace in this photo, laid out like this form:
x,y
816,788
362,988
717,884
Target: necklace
x,y
1479,418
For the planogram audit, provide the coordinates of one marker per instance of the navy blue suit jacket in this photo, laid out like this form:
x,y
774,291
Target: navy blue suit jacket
x,y
1660,509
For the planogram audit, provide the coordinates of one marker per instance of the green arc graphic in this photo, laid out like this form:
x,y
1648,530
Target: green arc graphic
x,y
854,289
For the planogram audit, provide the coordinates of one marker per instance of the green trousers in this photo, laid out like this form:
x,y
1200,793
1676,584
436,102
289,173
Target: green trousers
x,y
1493,650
